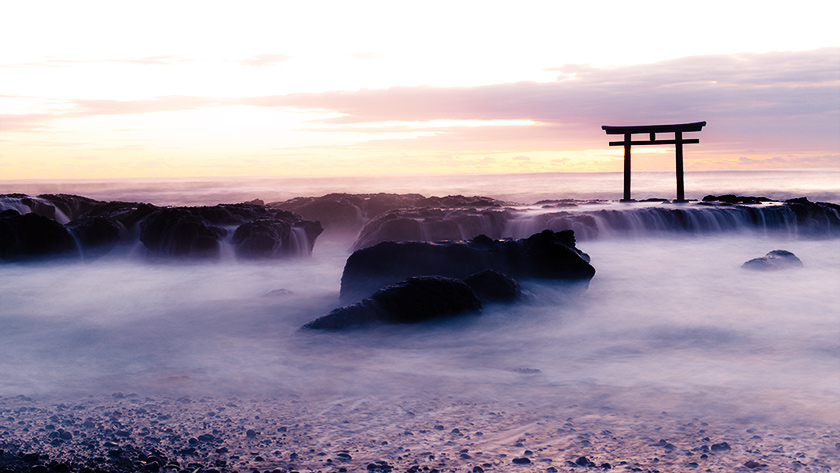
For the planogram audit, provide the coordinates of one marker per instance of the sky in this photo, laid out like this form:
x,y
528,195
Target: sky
x,y
105,90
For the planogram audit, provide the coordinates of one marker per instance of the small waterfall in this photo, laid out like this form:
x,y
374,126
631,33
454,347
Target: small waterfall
x,y
628,221
298,244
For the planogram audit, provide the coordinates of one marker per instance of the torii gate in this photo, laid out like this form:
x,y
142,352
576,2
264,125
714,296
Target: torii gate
x,y
678,140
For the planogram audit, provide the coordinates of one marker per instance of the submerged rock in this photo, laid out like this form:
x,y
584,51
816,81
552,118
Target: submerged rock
x,y
550,255
414,300
774,261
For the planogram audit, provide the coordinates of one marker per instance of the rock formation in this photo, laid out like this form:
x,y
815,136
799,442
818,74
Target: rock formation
x,y
548,254
774,261
414,300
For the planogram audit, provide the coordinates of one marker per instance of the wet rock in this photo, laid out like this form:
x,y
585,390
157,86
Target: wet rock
x,y
433,224
550,255
735,199
97,236
180,232
31,236
493,286
414,300
72,206
774,261
271,238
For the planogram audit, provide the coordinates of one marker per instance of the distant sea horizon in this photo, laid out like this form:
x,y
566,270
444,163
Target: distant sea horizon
x,y
816,184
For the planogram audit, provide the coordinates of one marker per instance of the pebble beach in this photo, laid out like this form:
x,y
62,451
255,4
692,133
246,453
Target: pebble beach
x,y
129,432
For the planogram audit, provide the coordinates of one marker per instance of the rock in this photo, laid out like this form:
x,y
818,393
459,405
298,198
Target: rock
x,y
414,300
180,232
348,213
735,199
433,224
198,231
815,217
720,447
96,235
31,236
271,238
549,255
493,286
521,461
72,206
774,261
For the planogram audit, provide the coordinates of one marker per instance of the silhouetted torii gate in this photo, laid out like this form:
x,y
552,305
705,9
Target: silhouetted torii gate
x,y
678,140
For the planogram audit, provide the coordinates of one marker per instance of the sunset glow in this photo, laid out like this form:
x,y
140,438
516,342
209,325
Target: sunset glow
x,y
104,90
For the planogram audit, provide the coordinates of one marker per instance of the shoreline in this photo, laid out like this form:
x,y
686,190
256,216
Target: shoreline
x,y
121,433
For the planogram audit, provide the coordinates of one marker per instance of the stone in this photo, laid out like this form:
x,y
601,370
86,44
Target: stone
x,y
546,255
414,300
493,286
96,236
774,261
31,236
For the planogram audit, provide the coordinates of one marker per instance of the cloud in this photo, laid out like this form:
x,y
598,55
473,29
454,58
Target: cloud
x,y
25,122
92,107
744,97
264,60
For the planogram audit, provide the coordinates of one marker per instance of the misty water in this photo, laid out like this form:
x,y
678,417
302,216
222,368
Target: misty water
x,y
669,322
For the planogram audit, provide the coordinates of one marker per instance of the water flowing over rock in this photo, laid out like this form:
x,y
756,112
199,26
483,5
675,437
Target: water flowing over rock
x,y
61,223
549,255
96,236
774,261
433,225
179,232
348,213
417,299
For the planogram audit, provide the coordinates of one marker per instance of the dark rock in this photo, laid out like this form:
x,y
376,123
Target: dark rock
x,y
522,461
815,217
96,235
720,447
774,261
433,224
349,212
493,286
414,300
72,206
735,199
583,461
32,236
550,255
271,238
179,232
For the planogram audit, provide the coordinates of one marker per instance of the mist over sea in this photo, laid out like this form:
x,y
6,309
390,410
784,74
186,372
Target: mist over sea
x,y
669,322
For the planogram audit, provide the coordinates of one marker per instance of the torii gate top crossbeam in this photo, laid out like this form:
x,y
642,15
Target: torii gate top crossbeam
x,y
652,130
621,130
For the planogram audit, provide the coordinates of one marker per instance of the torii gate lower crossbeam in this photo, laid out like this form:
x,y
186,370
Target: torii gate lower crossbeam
x,y
678,140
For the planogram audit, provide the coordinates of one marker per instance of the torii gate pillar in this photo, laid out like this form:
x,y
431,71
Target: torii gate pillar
x,y
678,141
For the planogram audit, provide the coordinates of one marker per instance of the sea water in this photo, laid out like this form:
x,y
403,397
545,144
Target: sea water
x,y
669,322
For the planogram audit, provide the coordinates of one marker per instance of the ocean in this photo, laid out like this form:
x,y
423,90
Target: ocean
x,y
670,322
